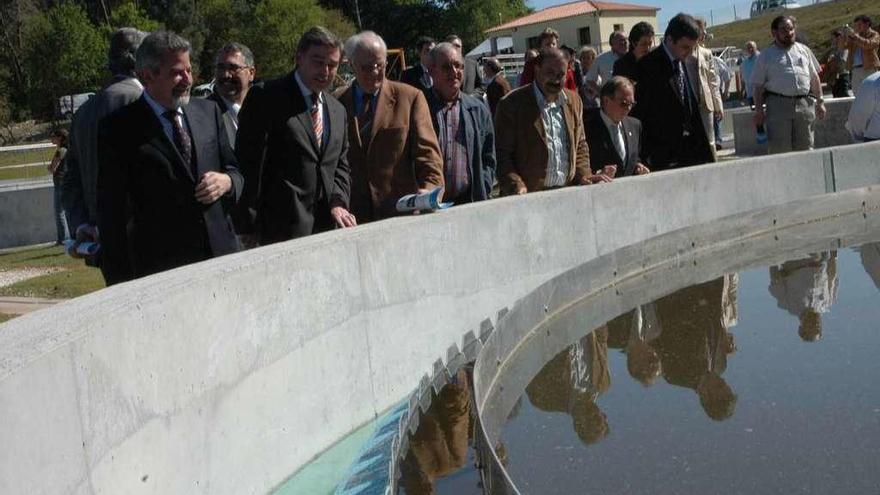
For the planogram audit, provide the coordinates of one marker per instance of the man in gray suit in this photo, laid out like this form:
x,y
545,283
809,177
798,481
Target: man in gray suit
x,y
78,189
292,148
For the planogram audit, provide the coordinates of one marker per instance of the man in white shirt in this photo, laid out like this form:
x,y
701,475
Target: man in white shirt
x,y
864,115
603,68
233,75
786,77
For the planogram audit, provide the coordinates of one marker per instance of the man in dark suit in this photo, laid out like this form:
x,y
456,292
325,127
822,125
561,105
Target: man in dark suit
x,y
167,175
668,85
498,86
417,75
464,130
472,82
292,145
613,137
81,178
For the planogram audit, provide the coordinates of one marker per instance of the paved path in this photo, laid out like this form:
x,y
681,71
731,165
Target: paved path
x,y
22,305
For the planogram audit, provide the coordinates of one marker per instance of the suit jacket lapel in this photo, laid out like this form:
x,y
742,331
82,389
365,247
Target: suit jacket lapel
x,y
302,117
693,72
383,112
534,114
354,135
631,148
198,129
157,138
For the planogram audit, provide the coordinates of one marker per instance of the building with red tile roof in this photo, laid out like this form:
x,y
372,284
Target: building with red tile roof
x,y
583,22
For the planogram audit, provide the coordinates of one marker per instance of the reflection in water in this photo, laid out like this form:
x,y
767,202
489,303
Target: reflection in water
x,y
806,288
694,344
440,445
870,254
572,381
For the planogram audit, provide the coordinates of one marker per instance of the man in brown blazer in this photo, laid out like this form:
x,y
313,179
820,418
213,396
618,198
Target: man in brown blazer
x,y
863,42
539,133
393,148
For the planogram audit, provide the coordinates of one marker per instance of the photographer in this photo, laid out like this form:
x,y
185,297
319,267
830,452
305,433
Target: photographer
x,y
862,43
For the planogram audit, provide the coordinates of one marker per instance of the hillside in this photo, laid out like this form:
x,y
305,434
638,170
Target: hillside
x,y
817,21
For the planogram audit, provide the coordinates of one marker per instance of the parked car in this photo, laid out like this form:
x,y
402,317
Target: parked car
x,y
69,104
761,7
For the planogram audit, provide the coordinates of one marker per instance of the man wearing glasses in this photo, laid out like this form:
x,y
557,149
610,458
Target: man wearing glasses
x,y
233,75
613,137
393,149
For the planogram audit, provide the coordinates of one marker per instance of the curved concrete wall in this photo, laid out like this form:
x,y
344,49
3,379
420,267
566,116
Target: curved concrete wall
x,y
227,376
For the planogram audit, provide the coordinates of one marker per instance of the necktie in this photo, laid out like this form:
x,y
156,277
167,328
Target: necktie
x,y
317,121
181,138
365,119
619,143
680,83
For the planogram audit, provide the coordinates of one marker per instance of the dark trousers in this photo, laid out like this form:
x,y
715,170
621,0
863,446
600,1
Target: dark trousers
x,y
841,87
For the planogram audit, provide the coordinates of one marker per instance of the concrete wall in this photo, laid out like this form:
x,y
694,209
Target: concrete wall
x,y
229,375
828,132
26,213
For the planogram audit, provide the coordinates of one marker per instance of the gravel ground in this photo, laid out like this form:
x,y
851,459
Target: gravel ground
x,y
9,277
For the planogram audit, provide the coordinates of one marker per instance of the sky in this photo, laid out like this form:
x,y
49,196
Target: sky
x,y
722,9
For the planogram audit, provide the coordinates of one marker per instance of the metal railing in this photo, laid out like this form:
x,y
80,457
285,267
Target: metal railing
x,y
25,162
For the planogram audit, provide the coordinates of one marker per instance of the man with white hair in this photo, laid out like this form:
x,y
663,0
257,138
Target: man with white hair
x,y
393,149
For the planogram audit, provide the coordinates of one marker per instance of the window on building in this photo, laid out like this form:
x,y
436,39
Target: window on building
x,y
618,27
584,37
532,42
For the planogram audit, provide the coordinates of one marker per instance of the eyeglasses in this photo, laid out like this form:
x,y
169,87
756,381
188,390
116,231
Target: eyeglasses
x,y
377,67
452,66
234,68
625,103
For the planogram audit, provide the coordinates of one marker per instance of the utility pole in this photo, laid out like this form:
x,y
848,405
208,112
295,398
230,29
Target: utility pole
x,y
357,13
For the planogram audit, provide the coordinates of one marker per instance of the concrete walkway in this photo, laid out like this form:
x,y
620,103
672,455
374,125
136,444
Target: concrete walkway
x,y
21,305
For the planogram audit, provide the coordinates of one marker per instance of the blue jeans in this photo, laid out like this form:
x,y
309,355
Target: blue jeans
x,y
717,124
62,233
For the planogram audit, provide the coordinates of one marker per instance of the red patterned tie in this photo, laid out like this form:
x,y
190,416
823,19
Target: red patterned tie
x,y
317,123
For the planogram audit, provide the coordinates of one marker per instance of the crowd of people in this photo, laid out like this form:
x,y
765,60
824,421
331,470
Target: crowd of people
x,y
161,180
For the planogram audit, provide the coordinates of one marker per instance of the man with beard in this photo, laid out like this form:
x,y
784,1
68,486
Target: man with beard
x,y
786,77
539,133
233,75
167,175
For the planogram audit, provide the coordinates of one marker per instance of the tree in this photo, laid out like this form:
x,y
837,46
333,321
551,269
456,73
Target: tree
x,y
128,14
66,54
277,27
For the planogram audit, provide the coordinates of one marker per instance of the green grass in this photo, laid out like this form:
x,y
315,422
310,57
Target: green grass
x,y
23,173
23,157
816,21
75,280
5,317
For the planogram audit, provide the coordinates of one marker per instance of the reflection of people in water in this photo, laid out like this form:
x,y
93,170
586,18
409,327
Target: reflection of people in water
x,y
572,381
633,332
694,343
806,288
870,254
439,446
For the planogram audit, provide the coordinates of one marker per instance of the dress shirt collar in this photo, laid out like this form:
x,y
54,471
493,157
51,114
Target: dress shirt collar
x,y
669,52
306,92
231,106
157,108
610,124
542,102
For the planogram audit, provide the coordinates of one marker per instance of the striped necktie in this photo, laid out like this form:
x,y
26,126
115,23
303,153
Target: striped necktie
x,y
317,121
